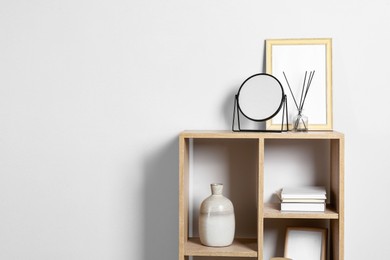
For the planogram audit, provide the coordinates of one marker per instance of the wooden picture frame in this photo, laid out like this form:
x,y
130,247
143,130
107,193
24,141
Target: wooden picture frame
x,y
305,243
295,57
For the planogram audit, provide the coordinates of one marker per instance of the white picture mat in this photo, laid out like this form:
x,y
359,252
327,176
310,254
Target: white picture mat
x,y
305,244
294,58
310,58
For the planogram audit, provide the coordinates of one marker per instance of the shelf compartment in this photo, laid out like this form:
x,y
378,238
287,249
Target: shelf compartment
x,y
241,247
234,164
272,210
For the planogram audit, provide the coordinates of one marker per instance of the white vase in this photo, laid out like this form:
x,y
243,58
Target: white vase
x,y
216,219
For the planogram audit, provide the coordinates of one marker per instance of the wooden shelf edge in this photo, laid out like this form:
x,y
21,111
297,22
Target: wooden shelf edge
x,y
227,134
272,210
241,247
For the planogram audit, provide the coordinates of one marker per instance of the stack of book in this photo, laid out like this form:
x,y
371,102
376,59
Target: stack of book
x,y
310,198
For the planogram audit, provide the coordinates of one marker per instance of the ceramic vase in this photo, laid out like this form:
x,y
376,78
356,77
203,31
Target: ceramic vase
x,y
216,219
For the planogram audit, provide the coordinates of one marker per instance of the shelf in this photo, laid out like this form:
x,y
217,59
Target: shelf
x,y
241,247
273,211
223,134
227,155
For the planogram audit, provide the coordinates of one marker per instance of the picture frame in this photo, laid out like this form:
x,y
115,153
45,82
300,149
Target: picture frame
x,y
291,58
305,243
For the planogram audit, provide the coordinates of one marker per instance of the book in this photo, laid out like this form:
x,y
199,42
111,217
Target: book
x,y
312,207
303,200
306,192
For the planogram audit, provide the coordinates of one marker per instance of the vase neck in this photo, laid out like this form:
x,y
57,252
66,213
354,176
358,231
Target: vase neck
x,y
216,188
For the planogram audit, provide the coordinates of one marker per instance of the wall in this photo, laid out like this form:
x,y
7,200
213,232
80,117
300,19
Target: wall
x,y
93,95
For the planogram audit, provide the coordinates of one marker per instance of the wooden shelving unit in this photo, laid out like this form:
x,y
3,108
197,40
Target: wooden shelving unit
x,y
253,247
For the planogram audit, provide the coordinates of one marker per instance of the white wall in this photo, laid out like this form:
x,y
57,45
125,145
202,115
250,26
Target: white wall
x,y
93,95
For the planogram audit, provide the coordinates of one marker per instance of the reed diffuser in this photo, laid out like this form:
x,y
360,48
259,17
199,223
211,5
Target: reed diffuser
x,y
301,121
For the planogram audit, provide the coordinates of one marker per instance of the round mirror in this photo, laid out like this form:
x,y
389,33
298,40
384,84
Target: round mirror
x,y
260,97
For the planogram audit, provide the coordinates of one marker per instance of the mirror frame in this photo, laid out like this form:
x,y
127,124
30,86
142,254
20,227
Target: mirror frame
x,y
281,98
283,106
